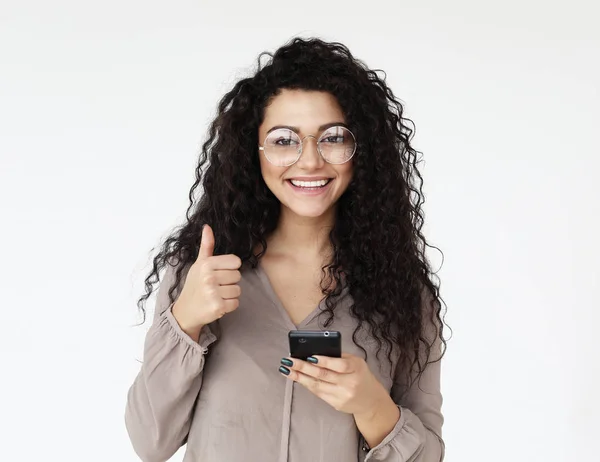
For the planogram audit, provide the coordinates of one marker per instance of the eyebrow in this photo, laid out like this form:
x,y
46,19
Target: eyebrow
x,y
297,129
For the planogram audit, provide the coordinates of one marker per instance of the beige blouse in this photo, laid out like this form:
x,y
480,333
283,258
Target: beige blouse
x,y
225,397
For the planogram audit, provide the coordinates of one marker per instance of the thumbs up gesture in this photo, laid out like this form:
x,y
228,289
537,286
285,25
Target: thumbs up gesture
x,y
210,290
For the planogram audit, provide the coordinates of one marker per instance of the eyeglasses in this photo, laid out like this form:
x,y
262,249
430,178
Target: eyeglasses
x,y
283,147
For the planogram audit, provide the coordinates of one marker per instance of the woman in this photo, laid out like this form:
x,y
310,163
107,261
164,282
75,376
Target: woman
x,y
310,218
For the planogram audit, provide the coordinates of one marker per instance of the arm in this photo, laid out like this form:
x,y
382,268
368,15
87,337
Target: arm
x,y
417,435
161,400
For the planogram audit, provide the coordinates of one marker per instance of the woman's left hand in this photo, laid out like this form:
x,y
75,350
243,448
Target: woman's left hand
x,y
345,383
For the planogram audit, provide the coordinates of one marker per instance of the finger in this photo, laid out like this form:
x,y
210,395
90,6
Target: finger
x,y
229,292
228,306
231,305
315,386
224,262
207,243
344,365
225,277
319,373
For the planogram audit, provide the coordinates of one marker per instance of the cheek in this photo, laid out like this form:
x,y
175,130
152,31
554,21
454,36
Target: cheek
x,y
269,172
265,169
346,171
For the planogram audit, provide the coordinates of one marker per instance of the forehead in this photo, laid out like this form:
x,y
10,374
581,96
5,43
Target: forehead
x,y
306,110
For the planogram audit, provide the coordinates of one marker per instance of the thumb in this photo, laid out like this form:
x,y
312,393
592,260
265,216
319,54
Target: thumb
x,y
207,243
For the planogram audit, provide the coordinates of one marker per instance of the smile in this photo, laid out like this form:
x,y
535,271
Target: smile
x,y
310,188
310,184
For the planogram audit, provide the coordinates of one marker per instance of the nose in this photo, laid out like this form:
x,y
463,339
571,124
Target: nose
x,y
310,158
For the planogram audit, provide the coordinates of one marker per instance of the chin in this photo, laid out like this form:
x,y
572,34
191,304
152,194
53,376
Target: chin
x,y
309,212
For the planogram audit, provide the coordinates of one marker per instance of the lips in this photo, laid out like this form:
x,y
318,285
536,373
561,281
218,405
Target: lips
x,y
309,184
310,188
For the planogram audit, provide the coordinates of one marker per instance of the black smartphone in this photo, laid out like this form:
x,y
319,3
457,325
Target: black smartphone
x,y
305,343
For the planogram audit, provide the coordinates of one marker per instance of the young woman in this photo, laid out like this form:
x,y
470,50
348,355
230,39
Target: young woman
x,y
309,218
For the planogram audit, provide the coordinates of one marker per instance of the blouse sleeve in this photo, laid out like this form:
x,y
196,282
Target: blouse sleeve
x,y
417,436
161,400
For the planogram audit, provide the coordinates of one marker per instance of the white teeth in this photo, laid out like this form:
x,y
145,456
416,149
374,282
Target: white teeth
x,y
309,184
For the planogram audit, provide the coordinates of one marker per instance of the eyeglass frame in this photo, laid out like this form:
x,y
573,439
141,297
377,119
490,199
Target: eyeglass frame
x,y
301,149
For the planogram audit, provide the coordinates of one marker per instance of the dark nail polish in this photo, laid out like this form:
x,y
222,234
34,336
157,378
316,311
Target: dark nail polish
x,y
287,362
284,370
312,359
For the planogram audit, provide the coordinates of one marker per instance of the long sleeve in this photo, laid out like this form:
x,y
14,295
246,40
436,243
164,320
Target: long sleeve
x,y
161,400
417,436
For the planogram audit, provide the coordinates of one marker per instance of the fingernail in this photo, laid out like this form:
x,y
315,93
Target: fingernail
x,y
284,370
312,359
287,362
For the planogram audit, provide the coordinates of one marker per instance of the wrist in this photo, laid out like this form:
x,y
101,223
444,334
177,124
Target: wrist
x,y
381,406
377,422
193,331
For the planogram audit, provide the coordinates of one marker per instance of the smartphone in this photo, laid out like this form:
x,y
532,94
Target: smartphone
x,y
305,343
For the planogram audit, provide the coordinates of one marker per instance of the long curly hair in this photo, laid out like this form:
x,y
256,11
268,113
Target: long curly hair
x,y
377,240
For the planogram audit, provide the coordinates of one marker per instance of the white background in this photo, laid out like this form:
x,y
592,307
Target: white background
x,y
103,107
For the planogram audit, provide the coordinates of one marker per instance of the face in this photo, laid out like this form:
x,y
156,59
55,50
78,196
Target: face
x,y
308,112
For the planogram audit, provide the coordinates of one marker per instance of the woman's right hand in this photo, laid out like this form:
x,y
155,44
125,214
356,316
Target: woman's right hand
x,y
210,290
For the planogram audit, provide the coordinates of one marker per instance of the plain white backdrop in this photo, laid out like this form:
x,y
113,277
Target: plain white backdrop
x,y
103,107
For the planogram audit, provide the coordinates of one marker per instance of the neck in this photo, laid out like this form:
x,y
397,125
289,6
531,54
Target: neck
x,y
307,237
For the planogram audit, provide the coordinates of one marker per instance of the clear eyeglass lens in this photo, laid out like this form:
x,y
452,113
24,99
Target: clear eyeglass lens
x,y
337,145
282,147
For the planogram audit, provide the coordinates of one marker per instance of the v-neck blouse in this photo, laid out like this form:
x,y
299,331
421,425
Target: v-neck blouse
x,y
276,301
225,398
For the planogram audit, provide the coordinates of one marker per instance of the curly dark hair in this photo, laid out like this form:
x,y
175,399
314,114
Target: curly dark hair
x,y
377,236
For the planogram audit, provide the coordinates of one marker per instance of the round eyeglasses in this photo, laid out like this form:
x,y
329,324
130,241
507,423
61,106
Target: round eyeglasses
x,y
283,146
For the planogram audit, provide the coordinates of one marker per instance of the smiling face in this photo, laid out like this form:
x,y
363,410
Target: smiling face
x,y
310,187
